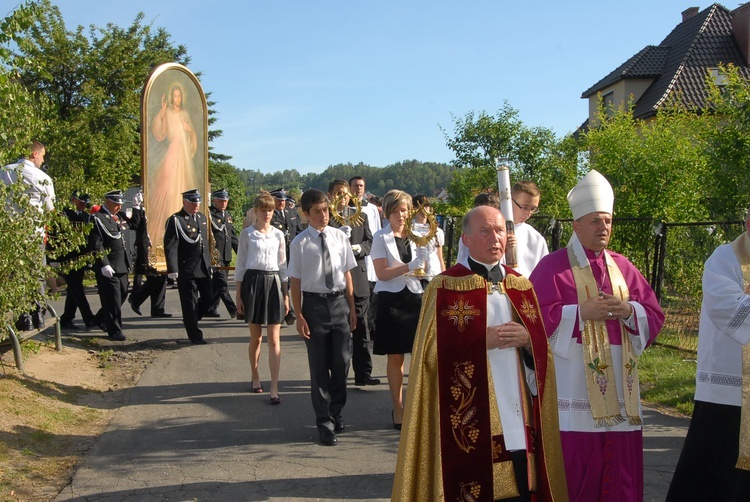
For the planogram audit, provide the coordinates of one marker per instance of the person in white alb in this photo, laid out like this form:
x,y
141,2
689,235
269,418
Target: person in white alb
x,y
715,459
530,245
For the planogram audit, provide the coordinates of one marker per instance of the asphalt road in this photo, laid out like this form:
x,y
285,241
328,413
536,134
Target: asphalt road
x,y
191,430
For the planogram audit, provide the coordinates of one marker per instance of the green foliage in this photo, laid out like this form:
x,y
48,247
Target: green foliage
x,y
657,168
93,82
728,149
667,376
224,175
535,153
22,253
411,176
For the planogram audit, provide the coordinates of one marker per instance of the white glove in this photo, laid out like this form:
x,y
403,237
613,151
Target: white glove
x,y
108,271
416,263
138,200
347,231
173,276
356,248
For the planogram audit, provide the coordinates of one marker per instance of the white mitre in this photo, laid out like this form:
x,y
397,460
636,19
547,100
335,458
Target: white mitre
x,y
593,194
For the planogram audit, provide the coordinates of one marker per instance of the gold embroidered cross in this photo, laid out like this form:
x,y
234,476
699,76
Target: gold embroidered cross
x,y
460,313
528,310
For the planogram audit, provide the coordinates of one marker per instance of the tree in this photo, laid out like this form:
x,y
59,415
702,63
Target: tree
x,y
478,140
94,80
94,83
728,106
225,175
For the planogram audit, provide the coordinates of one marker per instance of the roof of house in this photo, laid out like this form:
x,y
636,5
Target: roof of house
x,y
678,64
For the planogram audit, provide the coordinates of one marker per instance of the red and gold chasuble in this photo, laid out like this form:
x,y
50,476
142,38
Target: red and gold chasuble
x,y
451,410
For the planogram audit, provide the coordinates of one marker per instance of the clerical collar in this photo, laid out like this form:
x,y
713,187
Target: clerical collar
x,y
488,266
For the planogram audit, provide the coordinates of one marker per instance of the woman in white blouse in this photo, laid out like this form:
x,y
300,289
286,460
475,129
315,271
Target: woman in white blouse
x,y
262,297
399,294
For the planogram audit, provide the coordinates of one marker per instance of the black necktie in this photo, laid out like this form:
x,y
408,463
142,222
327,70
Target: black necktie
x,y
327,268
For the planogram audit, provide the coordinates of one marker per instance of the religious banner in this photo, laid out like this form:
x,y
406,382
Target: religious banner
x,y
174,148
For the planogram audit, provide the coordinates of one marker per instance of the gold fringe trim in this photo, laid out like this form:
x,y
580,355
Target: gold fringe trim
x,y
466,283
743,463
609,421
517,282
635,421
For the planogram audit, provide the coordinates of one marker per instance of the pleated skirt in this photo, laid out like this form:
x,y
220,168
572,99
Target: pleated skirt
x,y
262,296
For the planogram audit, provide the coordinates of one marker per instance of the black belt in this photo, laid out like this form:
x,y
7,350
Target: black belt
x,y
332,294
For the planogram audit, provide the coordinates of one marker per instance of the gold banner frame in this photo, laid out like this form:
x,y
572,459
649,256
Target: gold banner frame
x,y
174,148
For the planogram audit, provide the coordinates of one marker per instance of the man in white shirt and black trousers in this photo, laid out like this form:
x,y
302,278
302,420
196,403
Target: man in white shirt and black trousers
x,y
322,293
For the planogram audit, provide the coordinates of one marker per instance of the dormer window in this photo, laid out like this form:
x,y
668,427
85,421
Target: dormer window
x,y
718,77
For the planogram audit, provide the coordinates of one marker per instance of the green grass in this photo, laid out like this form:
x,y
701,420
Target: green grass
x,y
667,375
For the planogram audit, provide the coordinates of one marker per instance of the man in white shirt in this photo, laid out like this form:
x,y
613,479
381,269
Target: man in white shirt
x,y
41,191
715,459
320,259
375,221
39,186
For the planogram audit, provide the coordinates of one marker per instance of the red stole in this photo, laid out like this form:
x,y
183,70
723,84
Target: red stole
x,y
468,448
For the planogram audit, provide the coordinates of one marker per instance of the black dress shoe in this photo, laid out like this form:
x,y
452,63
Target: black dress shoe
x,y
367,381
211,314
119,337
199,341
340,425
161,314
137,310
37,319
395,425
233,315
69,325
24,323
328,438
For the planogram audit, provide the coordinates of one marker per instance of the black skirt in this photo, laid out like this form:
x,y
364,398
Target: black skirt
x,y
262,296
396,319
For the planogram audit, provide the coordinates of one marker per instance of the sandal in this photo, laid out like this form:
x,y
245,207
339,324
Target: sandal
x,y
275,400
256,390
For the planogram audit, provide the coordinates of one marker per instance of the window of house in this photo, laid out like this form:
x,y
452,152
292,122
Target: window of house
x,y
609,103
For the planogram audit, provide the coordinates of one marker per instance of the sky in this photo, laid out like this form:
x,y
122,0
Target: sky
x,y
308,84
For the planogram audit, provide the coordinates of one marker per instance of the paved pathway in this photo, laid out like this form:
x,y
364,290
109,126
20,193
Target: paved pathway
x,y
191,430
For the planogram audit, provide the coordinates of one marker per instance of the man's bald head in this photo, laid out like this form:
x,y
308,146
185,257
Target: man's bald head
x,y
484,234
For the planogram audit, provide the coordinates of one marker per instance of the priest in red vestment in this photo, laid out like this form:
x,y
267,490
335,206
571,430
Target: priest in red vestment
x,y
600,314
480,420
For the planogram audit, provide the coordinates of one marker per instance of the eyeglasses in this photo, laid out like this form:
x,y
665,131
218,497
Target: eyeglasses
x,y
531,210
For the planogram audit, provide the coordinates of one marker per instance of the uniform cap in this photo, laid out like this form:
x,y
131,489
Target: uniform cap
x,y
279,194
221,194
115,196
192,195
